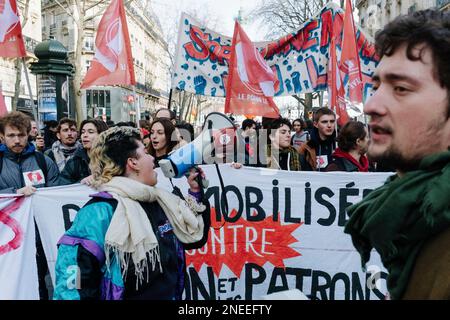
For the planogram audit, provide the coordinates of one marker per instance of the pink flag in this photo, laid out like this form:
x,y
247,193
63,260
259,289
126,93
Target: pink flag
x,y
11,39
250,82
3,109
113,62
349,64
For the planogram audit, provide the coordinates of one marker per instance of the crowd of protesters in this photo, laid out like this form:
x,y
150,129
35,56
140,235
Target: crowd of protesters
x,y
62,155
119,162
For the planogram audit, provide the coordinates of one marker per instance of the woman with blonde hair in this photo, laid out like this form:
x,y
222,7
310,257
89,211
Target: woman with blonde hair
x,y
127,241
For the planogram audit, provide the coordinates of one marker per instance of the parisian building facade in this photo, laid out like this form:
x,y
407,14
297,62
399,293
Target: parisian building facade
x,y
149,51
32,36
374,14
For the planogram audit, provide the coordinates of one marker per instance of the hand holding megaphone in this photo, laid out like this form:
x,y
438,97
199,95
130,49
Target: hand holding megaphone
x,y
196,179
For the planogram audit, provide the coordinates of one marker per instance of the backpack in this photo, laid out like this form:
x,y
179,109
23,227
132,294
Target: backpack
x,y
40,158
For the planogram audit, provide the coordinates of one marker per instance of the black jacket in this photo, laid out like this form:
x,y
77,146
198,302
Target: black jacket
x,y
341,164
14,165
76,169
321,148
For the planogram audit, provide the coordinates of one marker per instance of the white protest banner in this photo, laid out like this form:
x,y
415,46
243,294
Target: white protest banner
x,y
18,269
283,230
299,59
54,210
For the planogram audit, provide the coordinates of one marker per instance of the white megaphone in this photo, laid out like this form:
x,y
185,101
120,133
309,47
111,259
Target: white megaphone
x,y
218,131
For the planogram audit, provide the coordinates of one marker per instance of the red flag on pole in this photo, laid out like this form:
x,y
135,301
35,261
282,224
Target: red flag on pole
x,y
11,39
250,82
349,64
336,92
113,62
3,109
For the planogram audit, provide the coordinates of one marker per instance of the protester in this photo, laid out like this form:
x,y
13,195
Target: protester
x,y
125,124
182,134
50,133
353,141
163,139
35,137
185,133
127,242
144,124
22,170
34,132
309,126
247,144
144,132
407,220
300,136
316,153
64,149
166,114
19,158
146,140
77,168
280,154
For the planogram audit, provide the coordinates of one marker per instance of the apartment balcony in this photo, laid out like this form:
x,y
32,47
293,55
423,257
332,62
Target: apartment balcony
x,y
30,43
53,28
146,88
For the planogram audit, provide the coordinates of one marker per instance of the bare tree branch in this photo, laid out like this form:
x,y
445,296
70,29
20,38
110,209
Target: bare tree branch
x,y
68,5
286,16
94,5
93,16
69,13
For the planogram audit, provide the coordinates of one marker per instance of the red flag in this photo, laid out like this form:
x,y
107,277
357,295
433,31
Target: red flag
x,y
11,39
250,83
3,109
113,62
349,64
336,92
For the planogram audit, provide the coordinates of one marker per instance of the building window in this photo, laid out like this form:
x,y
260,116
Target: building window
x,y
89,43
98,103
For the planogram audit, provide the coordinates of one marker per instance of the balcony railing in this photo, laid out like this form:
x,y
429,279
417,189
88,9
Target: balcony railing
x,y
148,89
53,28
30,44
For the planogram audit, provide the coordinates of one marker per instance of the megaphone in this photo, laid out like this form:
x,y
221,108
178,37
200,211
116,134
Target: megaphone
x,y
218,134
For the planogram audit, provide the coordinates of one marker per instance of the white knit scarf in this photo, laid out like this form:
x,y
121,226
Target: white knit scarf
x,y
130,232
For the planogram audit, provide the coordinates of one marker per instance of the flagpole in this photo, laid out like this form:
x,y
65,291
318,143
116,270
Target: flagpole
x,y
170,99
136,107
35,111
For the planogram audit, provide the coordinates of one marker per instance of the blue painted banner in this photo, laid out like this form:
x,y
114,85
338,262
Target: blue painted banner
x,y
299,59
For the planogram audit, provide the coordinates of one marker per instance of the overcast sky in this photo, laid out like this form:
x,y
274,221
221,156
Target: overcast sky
x,y
225,11
222,11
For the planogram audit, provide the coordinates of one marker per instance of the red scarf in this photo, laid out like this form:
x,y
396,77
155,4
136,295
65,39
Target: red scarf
x,y
363,164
